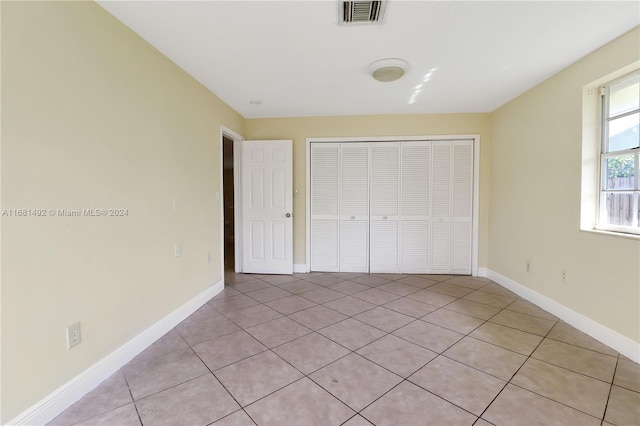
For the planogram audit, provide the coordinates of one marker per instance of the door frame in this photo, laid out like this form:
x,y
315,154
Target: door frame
x,y
237,196
476,182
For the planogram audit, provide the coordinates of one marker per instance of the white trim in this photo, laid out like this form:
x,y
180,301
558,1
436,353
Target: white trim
x,y
237,195
59,400
476,182
612,234
475,219
611,338
482,272
300,268
237,206
394,138
308,206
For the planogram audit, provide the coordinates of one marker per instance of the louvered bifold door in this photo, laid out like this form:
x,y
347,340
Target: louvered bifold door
x,y
384,206
325,178
354,207
415,207
462,207
441,171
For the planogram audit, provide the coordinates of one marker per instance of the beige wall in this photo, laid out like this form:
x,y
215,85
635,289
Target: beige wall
x,y
299,129
536,162
93,117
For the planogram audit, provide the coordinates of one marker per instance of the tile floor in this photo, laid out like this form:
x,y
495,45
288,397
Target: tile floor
x,y
354,349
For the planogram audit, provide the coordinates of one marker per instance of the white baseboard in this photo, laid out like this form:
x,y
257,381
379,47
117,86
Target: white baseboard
x,y
299,268
603,334
63,397
482,272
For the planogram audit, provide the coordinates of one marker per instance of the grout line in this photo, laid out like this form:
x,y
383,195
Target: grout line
x,y
553,400
133,401
606,405
581,347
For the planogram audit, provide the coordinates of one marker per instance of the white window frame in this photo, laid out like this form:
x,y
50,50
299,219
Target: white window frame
x,y
605,153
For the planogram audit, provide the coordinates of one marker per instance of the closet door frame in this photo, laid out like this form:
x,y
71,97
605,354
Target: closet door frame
x,y
476,182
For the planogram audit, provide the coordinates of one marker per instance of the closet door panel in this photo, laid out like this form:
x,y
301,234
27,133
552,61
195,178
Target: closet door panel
x,y
354,246
324,246
441,180
415,202
416,179
384,247
354,164
441,207
325,176
415,246
440,248
461,248
354,207
462,206
385,184
385,179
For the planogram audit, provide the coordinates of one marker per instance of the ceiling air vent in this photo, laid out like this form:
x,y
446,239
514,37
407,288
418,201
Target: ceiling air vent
x,y
362,11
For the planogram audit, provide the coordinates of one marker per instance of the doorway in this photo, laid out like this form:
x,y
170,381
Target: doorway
x,y
228,208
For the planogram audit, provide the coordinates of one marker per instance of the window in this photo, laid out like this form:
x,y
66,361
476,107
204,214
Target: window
x,y
620,156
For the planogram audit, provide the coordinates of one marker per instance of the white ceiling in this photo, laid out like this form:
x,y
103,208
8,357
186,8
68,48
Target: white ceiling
x,y
295,57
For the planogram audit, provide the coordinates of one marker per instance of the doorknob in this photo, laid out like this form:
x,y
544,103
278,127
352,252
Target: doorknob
x,y
287,214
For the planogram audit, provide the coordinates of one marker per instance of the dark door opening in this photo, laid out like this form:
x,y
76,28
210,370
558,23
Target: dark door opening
x,y
228,190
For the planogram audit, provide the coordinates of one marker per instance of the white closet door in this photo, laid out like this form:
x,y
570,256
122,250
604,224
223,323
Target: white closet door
x,y
384,204
441,171
415,207
388,207
354,207
462,207
325,175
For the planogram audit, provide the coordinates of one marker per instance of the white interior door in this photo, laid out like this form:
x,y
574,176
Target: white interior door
x,y
267,192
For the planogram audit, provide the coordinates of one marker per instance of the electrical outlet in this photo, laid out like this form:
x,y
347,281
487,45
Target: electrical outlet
x,y
563,275
208,257
176,205
73,335
177,250
528,266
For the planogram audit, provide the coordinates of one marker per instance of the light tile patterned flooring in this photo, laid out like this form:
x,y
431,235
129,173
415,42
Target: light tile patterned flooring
x,y
353,349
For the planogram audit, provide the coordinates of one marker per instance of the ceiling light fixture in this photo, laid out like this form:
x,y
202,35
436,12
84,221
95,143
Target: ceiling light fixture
x,y
390,69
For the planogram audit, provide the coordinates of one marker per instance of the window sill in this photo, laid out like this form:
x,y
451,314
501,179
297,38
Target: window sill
x,y
613,234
